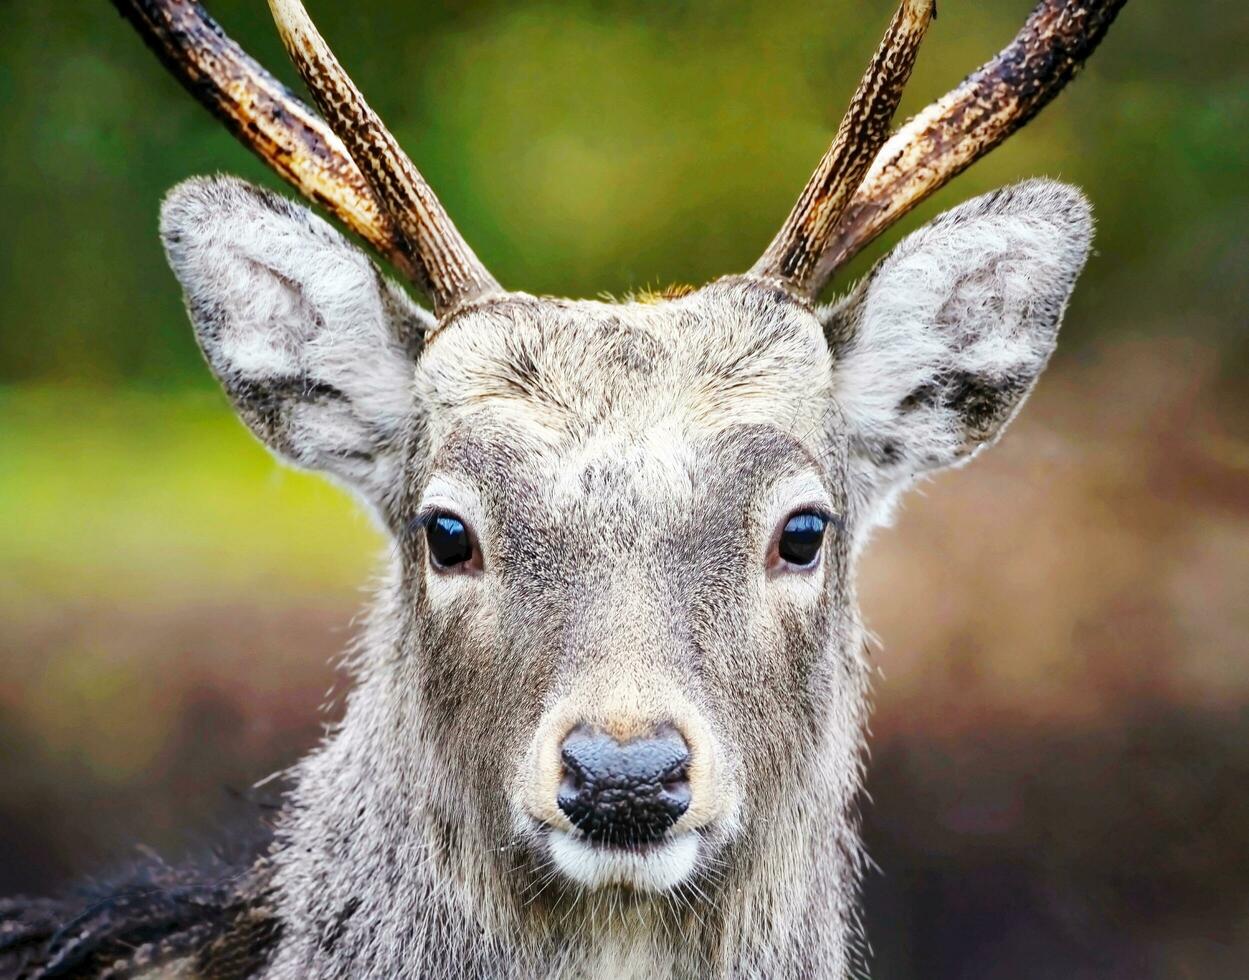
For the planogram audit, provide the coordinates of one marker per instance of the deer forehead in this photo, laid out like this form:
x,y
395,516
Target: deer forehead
x,y
577,386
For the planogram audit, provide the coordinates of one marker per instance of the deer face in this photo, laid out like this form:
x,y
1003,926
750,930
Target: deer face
x,y
647,575
625,620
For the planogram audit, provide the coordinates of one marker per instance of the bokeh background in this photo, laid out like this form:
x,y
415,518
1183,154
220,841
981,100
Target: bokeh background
x,y
1060,756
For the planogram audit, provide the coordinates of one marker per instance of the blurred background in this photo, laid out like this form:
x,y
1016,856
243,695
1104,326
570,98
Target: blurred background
x,y
1060,754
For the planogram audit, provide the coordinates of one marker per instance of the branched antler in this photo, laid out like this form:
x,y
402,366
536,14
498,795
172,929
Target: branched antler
x,y
347,176
866,181
936,145
453,274
264,115
803,239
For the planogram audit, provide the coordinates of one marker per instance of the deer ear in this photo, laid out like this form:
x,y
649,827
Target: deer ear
x,y
937,348
313,346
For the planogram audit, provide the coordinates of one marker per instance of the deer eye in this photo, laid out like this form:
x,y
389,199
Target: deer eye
x,y
450,544
801,538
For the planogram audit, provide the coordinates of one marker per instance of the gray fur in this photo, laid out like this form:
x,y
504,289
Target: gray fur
x,y
625,468
939,345
312,344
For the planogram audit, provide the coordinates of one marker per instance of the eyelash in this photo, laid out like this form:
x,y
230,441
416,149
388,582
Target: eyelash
x,y
421,521
835,522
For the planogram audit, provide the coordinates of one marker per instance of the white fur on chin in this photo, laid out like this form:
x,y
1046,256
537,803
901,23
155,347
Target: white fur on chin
x,y
657,869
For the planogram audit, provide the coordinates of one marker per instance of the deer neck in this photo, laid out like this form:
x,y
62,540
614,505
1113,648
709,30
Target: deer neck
x,y
376,872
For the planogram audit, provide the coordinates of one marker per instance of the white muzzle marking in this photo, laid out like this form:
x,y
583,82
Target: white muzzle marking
x,y
658,868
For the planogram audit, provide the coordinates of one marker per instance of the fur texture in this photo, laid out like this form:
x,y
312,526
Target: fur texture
x,y
213,921
312,344
937,348
625,470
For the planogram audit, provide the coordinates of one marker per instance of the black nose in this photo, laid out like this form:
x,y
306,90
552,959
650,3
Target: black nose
x,y
624,793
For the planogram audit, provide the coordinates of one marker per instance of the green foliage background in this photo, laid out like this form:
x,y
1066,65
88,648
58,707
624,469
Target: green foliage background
x,y
584,148
588,146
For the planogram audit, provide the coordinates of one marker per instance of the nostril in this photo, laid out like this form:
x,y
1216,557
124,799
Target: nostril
x,y
570,785
573,775
676,783
675,793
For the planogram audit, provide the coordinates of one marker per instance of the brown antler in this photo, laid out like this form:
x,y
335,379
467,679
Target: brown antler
x,y
455,275
269,120
803,239
954,132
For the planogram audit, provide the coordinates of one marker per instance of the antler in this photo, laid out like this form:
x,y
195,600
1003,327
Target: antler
x,y
346,168
455,274
865,182
936,145
803,238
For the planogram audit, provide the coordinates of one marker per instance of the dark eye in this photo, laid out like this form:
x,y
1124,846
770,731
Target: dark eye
x,y
449,541
801,538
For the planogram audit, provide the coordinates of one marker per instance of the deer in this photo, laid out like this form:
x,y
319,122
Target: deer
x,y
609,703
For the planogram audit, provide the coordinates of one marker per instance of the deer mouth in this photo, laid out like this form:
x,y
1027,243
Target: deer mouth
x,y
655,866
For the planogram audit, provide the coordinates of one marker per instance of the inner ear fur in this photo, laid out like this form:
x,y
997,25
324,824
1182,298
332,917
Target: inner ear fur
x,y
939,345
312,344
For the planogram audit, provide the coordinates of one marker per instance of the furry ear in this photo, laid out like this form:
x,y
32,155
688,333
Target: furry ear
x,y
313,346
937,348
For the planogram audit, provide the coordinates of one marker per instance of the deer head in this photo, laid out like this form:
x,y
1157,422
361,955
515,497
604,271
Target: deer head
x,y
619,650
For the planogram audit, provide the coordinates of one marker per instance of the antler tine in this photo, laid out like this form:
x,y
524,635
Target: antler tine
x,y
452,273
798,247
953,133
265,117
